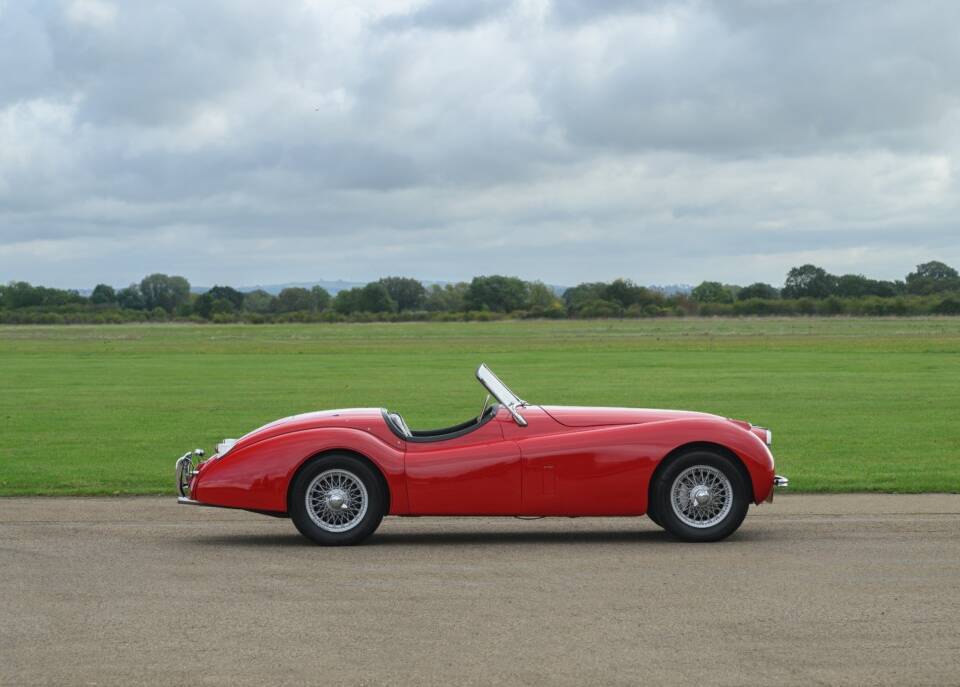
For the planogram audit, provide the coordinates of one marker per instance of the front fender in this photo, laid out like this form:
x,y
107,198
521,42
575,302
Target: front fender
x,y
742,442
257,477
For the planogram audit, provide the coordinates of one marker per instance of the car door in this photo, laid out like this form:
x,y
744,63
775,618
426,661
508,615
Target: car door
x,y
477,473
579,471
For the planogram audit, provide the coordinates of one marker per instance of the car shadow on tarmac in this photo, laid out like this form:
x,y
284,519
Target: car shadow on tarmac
x,y
492,538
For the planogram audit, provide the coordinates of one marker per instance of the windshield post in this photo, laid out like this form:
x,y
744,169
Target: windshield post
x,y
499,391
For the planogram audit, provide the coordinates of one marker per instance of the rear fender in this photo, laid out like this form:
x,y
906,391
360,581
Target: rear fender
x,y
257,477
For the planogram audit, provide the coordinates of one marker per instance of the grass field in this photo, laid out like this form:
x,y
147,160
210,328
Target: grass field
x,y
855,404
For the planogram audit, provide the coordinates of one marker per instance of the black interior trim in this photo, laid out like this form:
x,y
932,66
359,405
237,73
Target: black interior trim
x,y
425,436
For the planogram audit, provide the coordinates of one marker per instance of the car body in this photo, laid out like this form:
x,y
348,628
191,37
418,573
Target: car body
x,y
514,459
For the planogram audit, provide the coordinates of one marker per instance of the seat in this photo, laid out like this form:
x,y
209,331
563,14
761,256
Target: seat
x,y
398,426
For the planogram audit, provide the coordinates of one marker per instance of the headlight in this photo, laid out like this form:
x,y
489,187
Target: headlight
x,y
763,434
224,447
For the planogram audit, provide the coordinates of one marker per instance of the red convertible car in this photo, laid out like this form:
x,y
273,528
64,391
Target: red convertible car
x,y
336,473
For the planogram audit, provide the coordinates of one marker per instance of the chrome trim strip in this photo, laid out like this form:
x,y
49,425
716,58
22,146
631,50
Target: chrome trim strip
x,y
185,501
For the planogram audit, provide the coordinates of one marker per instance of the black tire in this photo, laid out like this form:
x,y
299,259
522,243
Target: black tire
x,y
727,522
652,514
343,467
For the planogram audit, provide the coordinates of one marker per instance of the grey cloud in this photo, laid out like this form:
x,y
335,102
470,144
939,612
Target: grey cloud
x,y
575,12
777,79
565,141
25,53
454,15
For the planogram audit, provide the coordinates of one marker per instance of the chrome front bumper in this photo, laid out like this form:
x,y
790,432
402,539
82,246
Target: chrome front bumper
x,y
779,482
186,471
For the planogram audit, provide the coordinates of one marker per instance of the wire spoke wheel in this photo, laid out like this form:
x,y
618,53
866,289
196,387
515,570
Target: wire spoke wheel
x,y
336,500
701,496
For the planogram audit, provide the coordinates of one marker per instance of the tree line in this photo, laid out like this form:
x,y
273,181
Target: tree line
x,y
933,288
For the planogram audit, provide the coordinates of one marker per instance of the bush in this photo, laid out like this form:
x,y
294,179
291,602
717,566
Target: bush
x,y
598,307
830,306
948,306
807,306
482,316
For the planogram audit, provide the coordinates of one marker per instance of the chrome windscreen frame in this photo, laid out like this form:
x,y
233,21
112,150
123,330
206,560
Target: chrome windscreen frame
x,y
499,391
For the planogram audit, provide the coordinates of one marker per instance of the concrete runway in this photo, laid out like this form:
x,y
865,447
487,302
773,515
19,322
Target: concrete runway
x,y
852,590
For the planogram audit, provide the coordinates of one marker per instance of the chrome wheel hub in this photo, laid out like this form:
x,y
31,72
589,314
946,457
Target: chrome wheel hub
x,y
336,500
701,496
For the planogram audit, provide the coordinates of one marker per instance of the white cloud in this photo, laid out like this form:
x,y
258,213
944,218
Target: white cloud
x,y
98,14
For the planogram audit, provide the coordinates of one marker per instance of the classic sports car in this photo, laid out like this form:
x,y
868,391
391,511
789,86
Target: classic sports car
x,y
336,473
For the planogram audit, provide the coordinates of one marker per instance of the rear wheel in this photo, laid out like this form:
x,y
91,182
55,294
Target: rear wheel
x,y
701,496
336,500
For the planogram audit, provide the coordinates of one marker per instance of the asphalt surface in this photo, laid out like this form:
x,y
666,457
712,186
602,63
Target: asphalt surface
x,y
855,589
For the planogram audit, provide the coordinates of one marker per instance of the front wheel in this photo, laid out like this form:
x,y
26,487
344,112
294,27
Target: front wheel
x,y
652,514
701,496
336,500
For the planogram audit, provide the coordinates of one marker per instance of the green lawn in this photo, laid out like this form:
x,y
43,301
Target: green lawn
x,y
855,404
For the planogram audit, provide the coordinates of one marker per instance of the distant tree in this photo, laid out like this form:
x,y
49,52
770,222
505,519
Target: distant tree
x,y
258,301
294,299
203,305
61,296
541,297
809,281
20,294
887,289
221,306
852,286
321,298
577,296
626,293
103,294
407,293
374,297
131,298
857,286
496,293
758,290
446,298
711,292
162,291
219,299
228,293
933,277
347,301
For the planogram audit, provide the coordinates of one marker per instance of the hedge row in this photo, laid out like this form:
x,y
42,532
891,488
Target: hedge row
x,y
871,306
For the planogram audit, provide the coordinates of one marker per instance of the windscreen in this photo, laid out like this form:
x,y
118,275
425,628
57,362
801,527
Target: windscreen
x,y
500,392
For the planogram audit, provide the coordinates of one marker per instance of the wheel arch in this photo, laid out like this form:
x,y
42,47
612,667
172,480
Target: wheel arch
x,y
351,453
690,447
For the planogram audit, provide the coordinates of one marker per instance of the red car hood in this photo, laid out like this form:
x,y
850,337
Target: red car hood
x,y
575,416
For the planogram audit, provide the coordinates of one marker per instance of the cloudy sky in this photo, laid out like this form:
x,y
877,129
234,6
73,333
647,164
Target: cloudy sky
x,y
250,142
